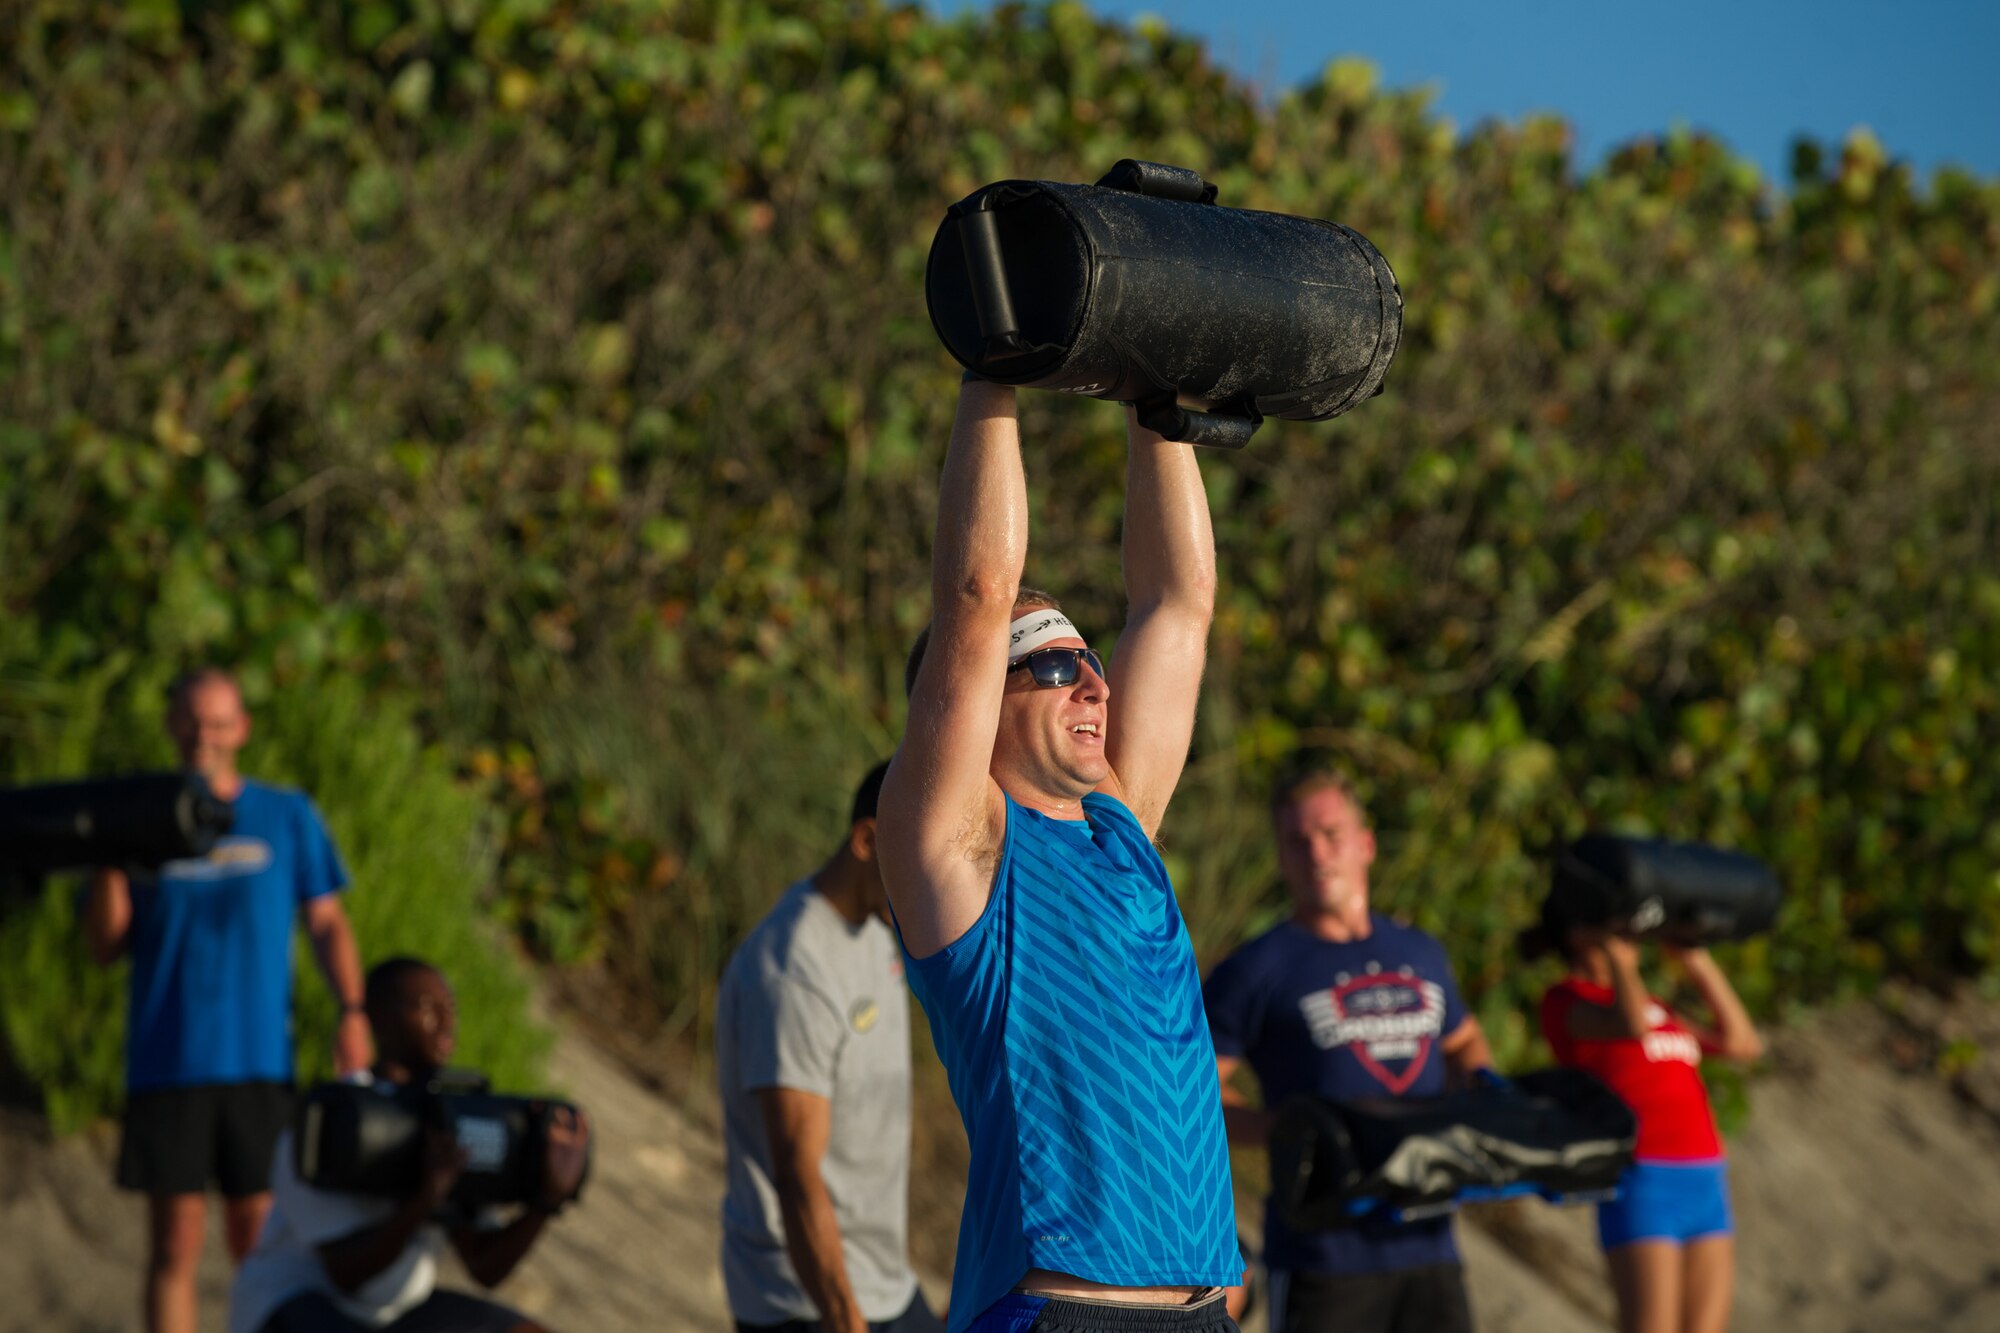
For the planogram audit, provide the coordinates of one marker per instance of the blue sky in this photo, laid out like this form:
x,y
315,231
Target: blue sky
x,y
1924,75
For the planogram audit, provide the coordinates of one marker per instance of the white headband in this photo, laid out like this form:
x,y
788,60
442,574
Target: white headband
x,y
1036,628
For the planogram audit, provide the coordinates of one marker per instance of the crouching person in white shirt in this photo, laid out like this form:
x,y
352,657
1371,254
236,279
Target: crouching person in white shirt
x,y
333,1262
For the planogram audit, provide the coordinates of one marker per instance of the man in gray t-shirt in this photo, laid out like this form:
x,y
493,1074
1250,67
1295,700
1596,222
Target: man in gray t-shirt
x,y
812,1037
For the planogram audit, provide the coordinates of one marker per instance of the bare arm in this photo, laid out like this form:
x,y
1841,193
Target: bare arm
x,y
1627,1016
491,1255
339,961
942,814
1246,1124
797,1125
107,915
1170,590
1735,1036
352,1260
1466,1052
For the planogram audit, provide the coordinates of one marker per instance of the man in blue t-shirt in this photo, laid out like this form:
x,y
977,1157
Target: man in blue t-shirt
x,y
208,1042
1346,1004
1045,943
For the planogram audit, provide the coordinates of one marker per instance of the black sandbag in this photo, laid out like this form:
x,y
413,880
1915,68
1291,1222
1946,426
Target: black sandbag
x,y
1141,288
1556,1132
360,1139
1683,892
365,1138
142,819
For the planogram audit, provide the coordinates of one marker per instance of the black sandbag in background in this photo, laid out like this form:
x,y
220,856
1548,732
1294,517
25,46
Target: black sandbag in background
x,y
1557,1131
1683,892
141,819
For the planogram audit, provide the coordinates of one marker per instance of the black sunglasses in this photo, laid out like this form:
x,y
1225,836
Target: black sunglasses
x,y
1054,668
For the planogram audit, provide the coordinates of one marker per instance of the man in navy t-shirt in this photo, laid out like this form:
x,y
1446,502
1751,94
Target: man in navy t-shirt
x,y
208,1042
1346,1004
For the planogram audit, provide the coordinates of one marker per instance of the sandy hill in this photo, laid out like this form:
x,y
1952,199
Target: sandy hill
x,y
1867,1187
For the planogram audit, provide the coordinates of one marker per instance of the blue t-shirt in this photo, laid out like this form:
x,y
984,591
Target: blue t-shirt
x,y
1069,1021
211,948
1344,1021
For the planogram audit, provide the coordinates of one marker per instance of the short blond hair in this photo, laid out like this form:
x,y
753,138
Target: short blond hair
x,y
1302,782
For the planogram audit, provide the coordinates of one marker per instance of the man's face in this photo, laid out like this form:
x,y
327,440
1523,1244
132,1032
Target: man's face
x,y
1324,851
421,1029
1055,737
209,726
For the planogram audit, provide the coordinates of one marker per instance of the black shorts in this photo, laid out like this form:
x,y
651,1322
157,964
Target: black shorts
x,y
441,1312
1026,1312
179,1140
916,1319
1430,1299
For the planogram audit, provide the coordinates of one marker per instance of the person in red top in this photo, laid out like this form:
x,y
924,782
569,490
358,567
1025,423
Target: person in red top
x,y
1668,1234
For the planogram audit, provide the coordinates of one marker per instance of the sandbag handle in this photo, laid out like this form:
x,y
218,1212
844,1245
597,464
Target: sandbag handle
x,y
1215,430
1157,180
979,238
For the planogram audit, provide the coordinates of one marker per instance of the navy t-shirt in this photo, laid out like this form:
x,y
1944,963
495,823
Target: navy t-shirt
x,y
1347,1021
211,948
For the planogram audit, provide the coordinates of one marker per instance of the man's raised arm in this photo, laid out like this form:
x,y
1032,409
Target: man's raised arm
x,y
1170,593
942,815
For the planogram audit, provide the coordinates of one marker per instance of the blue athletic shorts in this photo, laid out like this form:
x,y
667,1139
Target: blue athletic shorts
x,y
1676,1201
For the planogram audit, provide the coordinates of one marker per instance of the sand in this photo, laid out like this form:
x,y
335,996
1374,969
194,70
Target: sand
x,y
1867,1186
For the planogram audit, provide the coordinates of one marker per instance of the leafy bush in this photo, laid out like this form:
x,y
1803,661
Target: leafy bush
x,y
62,1017
420,850
704,808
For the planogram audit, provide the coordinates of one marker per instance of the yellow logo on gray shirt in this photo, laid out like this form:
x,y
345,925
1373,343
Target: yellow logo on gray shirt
x,y
864,1015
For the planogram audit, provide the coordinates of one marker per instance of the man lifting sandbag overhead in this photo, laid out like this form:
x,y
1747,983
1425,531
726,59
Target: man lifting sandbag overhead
x,y
1018,817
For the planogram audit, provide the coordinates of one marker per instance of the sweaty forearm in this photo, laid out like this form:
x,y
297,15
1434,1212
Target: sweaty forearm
x,y
1169,551
812,1239
982,526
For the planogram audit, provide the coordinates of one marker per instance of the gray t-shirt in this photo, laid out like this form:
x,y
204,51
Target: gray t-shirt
x,y
812,1003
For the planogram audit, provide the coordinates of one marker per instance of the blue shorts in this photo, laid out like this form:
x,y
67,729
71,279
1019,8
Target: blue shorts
x,y
1673,1201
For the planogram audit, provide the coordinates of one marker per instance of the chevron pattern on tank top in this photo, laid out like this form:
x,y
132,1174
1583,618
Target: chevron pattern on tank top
x,y
1124,1161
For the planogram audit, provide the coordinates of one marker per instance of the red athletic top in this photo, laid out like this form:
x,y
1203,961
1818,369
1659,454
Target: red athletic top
x,y
1655,1075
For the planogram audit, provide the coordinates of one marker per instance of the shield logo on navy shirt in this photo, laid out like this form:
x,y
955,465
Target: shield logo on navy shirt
x,y
1387,1020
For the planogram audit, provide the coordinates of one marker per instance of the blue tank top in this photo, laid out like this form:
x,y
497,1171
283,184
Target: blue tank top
x,y
1069,1020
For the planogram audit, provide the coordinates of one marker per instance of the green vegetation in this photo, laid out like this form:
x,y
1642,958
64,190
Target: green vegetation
x,y
560,374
